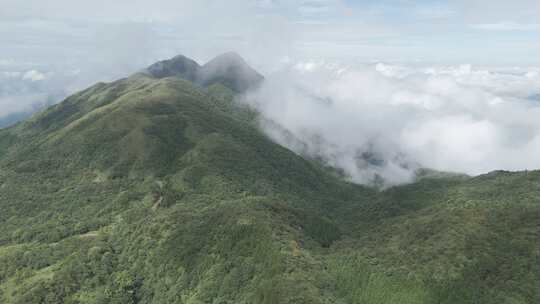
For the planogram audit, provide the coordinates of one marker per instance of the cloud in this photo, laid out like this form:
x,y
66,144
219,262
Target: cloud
x,y
381,122
33,75
26,91
495,11
6,62
507,26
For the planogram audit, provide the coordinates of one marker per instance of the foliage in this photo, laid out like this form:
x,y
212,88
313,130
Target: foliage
x,y
152,190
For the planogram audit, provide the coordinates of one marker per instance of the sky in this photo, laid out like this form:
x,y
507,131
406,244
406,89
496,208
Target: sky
x,y
70,44
400,78
126,34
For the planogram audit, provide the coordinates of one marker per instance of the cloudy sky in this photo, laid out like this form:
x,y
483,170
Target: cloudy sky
x,y
52,48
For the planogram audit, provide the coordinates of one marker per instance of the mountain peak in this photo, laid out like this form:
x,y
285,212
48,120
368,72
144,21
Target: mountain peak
x,y
231,70
180,66
229,58
228,69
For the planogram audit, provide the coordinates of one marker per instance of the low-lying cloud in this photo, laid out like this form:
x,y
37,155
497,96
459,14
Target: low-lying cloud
x,y
24,91
380,123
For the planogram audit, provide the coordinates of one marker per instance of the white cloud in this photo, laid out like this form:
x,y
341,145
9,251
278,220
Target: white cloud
x,y
385,121
507,26
435,12
30,90
34,75
495,11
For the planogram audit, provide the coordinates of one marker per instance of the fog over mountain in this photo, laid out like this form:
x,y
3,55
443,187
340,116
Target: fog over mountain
x,y
229,69
381,121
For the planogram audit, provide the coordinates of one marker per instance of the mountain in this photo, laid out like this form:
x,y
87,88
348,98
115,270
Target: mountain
x,y
228,69
179,66
160,189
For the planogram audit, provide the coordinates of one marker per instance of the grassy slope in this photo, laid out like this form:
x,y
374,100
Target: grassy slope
x,y
154,191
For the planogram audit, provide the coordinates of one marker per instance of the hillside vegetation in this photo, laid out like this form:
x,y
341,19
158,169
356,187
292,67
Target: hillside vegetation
x,y
162,190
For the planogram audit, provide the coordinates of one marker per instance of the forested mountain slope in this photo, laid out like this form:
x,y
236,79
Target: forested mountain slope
x,y
157,188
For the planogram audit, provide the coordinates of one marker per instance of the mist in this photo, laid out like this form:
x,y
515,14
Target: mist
x,y
379,123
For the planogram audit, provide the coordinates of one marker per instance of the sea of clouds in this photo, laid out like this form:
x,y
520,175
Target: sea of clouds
x,y
380,123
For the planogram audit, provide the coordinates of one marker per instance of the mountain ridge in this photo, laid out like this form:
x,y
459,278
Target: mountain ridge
x,y
229,69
